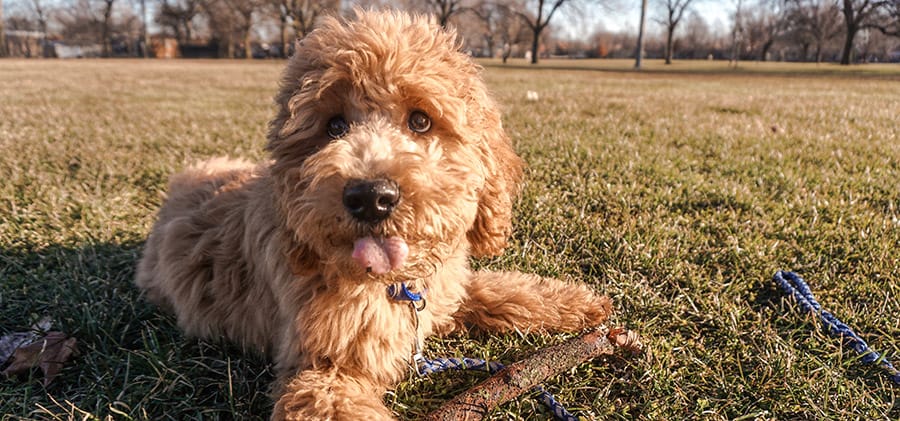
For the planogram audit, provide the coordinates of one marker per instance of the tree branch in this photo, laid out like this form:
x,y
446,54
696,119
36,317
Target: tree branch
x,y
522,376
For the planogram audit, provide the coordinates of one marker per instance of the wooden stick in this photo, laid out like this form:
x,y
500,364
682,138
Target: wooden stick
x,y
522,376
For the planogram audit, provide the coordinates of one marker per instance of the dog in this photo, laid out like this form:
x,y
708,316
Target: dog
x,y
389,168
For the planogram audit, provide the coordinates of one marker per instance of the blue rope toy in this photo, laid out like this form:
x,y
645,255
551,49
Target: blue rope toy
x,y
794,285
425,366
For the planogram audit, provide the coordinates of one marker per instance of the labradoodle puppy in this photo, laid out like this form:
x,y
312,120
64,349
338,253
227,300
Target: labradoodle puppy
x,y
389,168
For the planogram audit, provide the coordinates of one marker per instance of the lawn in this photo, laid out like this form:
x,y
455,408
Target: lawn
x,y
678,192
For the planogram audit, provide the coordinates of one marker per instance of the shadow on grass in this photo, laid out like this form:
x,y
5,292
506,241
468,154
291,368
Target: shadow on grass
x,y
131,360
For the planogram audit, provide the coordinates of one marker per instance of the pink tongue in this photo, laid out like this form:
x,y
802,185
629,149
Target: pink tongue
x,y
380,255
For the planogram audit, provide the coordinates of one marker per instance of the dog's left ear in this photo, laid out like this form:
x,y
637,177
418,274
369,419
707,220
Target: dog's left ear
x,y
489,234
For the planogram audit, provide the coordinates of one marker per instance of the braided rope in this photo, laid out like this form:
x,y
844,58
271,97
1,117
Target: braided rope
x,y
794,285
427,366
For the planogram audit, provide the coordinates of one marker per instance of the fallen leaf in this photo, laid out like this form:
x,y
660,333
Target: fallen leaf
x,y
9,343
48,353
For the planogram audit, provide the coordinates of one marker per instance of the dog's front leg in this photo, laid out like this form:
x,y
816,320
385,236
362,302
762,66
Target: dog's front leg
x,y
330,395
501,301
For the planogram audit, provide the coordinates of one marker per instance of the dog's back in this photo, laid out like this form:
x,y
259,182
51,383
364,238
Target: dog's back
x,y
198,249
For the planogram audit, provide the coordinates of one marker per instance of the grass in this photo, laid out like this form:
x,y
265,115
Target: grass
x,y
678,193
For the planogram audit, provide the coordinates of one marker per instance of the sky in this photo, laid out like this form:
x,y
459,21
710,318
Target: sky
x,y
585,20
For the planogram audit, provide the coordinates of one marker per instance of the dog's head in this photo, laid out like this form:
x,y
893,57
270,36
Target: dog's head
x,y
387,143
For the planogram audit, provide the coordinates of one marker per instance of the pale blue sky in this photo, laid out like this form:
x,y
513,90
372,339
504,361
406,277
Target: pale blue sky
x,y
584,19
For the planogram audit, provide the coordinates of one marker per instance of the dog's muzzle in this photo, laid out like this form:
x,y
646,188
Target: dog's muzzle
x,y
371,201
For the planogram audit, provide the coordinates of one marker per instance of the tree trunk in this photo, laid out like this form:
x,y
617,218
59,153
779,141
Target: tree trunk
x,y
669,41
639,53
3,50
248,49
534,46
284,45
765,50
145,39
107,15
848,44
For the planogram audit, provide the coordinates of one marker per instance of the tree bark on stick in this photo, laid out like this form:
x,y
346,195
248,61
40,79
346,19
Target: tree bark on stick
x,y
521,377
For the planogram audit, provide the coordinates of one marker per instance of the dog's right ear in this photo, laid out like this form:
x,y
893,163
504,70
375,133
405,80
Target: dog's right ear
x,y
294,131
490,233
289,125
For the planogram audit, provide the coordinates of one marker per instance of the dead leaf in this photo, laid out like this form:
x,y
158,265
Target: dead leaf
x,y
48,353
9,343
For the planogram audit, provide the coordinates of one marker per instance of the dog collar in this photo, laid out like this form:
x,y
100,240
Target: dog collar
x,y
400,292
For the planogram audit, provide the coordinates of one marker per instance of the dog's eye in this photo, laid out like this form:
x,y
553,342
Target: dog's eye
x,y
419,122
337,127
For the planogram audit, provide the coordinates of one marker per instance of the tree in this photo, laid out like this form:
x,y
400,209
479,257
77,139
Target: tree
x,y
444,9
487,13
545,9
3,51
41,13
814,22
107,21
737,34
303,13
858,15
243,11
891,19
223,23
766,26
300,15
179,16
639,51
674,11
512,29
145,37
697,37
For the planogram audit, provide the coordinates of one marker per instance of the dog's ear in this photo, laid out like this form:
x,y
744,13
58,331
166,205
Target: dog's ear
x,y
489,234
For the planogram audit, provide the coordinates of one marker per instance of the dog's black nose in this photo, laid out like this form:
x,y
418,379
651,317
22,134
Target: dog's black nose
x,y
371,200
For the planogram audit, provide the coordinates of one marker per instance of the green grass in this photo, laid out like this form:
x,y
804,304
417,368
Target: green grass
x,y
677,193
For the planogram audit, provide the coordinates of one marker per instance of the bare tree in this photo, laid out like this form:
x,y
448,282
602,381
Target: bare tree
x,y
279,7
487,13
763,25
814,22
891,19
304,13
696,37
244,11
107,21
42,15
223,23
512,29
537,20
737,34
145,37
858,15
299,16
3,50
179,16
444,9
639,51
674,10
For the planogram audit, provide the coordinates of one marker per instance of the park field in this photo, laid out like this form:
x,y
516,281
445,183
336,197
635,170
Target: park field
x,y
678,191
